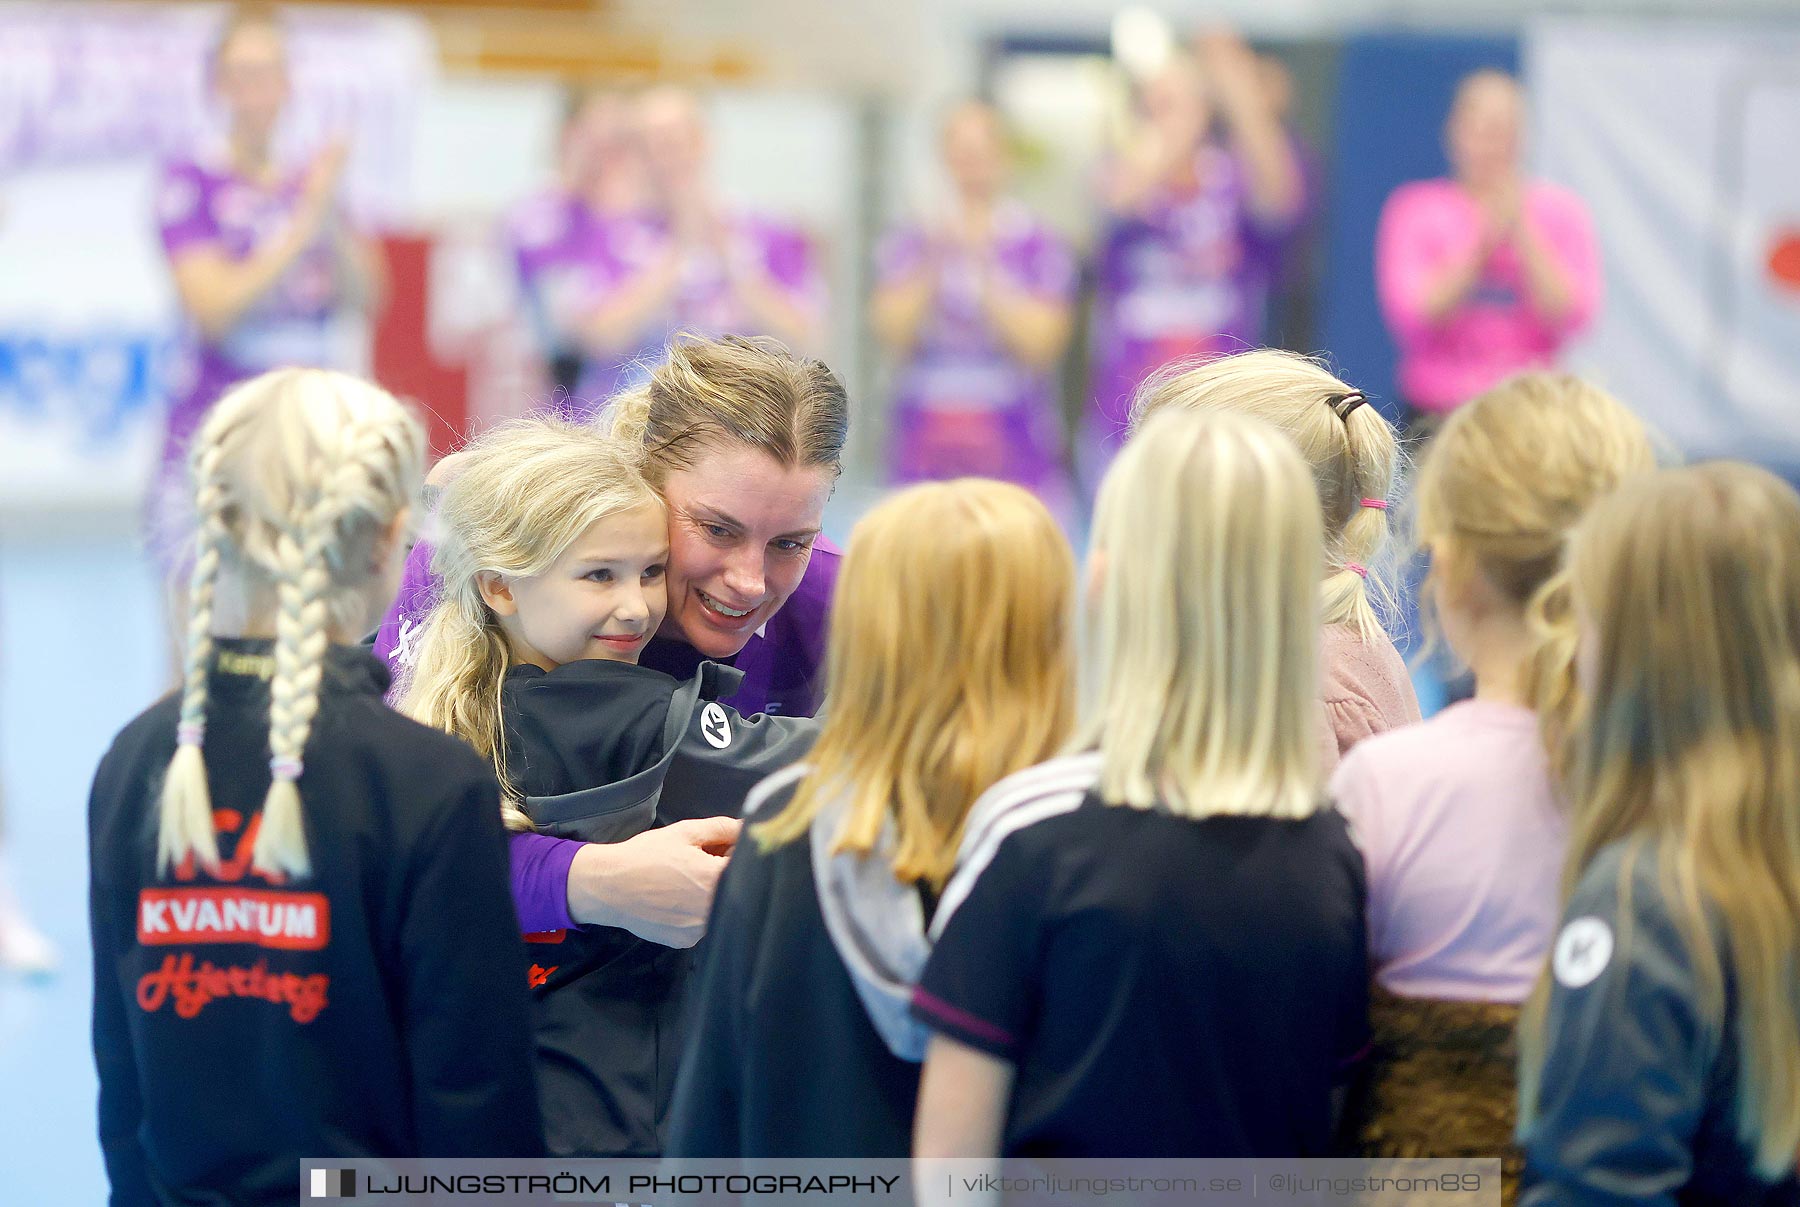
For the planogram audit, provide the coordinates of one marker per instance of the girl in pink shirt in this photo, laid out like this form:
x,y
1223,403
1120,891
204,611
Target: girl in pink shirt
x,y
1485,274
1459,826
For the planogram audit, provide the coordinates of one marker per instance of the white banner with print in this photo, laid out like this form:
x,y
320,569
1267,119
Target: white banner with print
x,y
93,97
1682,138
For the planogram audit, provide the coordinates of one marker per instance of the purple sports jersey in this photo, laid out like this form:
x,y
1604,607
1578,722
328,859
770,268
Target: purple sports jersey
x,y
963,403
297,322
704,301
565,256
1182,277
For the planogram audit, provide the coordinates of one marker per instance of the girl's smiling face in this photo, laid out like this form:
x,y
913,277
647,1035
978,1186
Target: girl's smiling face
x,y
602,598
741,532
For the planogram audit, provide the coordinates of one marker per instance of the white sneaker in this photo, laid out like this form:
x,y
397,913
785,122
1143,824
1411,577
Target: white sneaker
x,y
24,949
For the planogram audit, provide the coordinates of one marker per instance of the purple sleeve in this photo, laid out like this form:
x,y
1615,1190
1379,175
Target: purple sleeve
x,y
394,640
790,263
540,881
184,208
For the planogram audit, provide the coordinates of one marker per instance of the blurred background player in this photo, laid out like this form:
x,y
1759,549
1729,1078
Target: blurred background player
x,y
266,266
1206,175
974,306
560,240
1484,273
696,264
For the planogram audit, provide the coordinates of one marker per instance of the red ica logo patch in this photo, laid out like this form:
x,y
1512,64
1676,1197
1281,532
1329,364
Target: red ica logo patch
x,y
1784,259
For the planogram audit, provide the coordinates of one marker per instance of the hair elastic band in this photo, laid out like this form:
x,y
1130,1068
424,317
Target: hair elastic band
x,y
284,769
1357,568
190,733
1375,504
1342,405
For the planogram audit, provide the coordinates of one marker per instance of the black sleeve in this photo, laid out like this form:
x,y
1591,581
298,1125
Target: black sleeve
x,y
980,984
121,1102
1626,1057
466,1006
584,724
723,755
706,1116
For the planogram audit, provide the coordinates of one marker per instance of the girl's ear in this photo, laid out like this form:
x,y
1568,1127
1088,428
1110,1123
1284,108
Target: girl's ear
x,y
496,592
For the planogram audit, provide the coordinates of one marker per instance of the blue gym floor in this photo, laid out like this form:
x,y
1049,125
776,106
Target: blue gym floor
x,y
80,655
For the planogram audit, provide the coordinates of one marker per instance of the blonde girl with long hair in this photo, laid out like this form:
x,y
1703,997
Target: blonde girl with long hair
x,y
742,439
1355,463
1154,946
288,876
950,668
1674,984
552,553
1460,827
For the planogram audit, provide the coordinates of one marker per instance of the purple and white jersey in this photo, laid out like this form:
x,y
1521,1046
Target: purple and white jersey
x,y
963,402
1182,277
297,322
704,301
562,252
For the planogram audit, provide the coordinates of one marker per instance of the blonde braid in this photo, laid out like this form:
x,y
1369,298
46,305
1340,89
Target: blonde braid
x,y
302,636
185,823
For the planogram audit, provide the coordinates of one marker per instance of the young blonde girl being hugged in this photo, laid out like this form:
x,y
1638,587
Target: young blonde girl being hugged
x,y
1459,826
949,668
1350,448
552,548
1660,1055
1155,947
314,954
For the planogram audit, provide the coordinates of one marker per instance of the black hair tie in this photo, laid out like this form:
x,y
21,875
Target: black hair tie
x,y
1343,405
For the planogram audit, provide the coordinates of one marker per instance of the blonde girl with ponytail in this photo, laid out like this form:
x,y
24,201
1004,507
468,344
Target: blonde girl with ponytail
x,y
1355,463
1458,818
1674,983
272,833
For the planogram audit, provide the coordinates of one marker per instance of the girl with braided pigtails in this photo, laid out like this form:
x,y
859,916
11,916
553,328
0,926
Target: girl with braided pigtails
x,y
299,900
1355,463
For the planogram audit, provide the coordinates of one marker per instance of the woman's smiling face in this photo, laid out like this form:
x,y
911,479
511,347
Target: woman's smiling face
x,y
741,532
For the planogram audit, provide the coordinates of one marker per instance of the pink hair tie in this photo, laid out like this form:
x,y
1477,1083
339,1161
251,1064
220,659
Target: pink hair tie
x,y
285,770
190,733
1376,504
1357,568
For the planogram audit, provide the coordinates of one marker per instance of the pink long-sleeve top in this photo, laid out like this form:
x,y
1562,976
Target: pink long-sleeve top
x,y
1427,228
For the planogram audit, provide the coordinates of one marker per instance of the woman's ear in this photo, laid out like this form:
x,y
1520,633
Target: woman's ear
x,y
496,592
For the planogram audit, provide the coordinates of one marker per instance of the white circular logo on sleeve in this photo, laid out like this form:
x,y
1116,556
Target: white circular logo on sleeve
x,y
1583,950
715,726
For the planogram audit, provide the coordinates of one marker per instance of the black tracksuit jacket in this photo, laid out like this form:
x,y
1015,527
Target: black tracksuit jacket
x,y
370,1009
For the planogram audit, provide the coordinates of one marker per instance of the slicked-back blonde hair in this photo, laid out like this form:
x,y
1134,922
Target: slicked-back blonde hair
x,y
299,474
1690,744
736,390
949,668
1206,624
1354,461
522,494
1503,485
